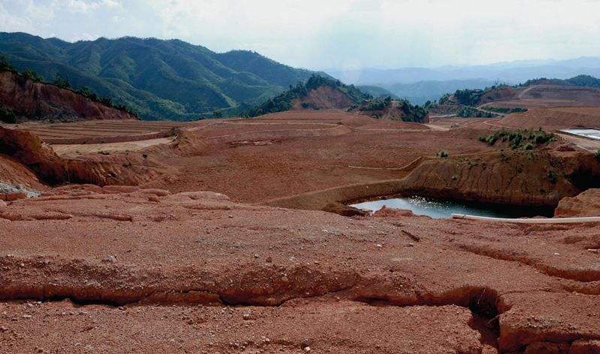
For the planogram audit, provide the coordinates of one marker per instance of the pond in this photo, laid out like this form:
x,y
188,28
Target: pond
x,y
443,209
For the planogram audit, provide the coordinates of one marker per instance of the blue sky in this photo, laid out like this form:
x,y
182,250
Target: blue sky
x,y
321,34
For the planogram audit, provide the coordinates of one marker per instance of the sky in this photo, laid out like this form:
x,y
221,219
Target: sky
x,y
332,34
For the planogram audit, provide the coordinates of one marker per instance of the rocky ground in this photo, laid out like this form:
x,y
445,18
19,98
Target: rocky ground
x,y
138,270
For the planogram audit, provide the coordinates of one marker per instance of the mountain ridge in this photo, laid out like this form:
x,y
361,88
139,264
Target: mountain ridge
x,y
160,79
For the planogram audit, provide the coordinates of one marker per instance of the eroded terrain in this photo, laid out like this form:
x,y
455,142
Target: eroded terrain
x,y
230,277
167,268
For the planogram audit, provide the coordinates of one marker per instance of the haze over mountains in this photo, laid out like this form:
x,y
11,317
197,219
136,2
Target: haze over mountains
x,y
160,79
422,84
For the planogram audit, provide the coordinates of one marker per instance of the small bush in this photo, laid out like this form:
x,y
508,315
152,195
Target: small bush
x,y
443,154
552,177
7,115
527,139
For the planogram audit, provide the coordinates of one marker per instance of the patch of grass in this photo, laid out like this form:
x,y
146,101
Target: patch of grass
x,y
505,110
470,112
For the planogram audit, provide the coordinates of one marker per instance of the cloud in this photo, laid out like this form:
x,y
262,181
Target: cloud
x,y
88,6
332,33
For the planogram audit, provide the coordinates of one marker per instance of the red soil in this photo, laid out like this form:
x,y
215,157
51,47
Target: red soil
x,y
324,97
226,277
552,118
440,292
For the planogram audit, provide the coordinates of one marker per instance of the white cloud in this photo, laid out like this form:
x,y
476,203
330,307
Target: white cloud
x,y
333,33
88,6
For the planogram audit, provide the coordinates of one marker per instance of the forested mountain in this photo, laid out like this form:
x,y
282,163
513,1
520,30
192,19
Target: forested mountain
x,y
158,79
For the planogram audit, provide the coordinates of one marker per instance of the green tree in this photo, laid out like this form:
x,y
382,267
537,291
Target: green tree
x,y
61,81
7,115
32,75
5,65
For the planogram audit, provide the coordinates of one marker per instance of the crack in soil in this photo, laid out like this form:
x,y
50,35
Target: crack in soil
x,y
583,275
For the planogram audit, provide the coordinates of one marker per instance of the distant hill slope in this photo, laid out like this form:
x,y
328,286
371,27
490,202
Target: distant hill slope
x,y
376,91
582,90
317,93
423,91
510,72
578,81
394,109
159,79
23,99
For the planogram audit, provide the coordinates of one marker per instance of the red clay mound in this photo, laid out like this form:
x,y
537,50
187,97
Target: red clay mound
x,y
585,204
38,101
324,97
27,149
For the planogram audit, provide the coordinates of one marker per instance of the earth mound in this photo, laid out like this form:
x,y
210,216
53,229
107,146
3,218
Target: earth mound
x,y
584,204
28,151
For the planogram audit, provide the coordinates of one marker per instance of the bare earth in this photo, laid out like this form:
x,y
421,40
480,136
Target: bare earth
x,y
278,280
166,268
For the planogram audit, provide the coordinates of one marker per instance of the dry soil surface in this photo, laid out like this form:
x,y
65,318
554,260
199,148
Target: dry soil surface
x,y
146,270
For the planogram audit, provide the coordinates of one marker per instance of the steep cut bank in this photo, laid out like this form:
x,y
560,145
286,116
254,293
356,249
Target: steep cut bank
x,y
527,178
27,149
30,100
540,178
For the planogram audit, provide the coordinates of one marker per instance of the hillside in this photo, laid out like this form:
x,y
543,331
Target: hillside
x,y
23,99
159,79
582,90
391,109
423,91
376,91
317,93
511,72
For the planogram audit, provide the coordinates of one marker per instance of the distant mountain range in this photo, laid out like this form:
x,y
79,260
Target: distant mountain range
x,y
159,79
422,84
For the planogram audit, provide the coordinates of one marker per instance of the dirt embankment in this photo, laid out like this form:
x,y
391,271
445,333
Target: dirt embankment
x,y
39,101
27,149
324,97
536,178
539,178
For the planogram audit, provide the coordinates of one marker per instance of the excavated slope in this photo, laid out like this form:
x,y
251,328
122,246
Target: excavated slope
x,y
39,101
533,178
324,97
26,149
